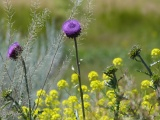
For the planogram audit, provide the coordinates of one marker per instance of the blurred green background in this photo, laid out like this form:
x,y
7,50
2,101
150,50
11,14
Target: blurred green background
x,y
116,26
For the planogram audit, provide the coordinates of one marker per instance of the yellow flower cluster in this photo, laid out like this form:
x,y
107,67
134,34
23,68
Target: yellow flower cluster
x,y
96,85
145,84
93,75
74,78
41,93
62,84
100,101
155,52
117,61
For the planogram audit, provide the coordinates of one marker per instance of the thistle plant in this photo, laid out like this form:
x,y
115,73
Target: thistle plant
x,y
72,29
113,83
14,53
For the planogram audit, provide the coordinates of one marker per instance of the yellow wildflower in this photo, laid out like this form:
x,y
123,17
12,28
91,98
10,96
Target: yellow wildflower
x,y
86,105
62,84
72,99
146,105
68,111
105,117
84,88
155,52
41,93
55,116
145,84
86,97
124,105
53,93
74,78
25,110
93,75
101,102
110,94
146,97
39,101
48,100
96,85
117,61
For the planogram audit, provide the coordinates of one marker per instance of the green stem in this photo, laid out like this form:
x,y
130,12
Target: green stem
x,y
116,90
144,63
115,82
79,78
27,86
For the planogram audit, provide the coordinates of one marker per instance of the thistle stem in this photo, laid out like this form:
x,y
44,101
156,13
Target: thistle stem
x,y
116,90
144,63
27,86
79,78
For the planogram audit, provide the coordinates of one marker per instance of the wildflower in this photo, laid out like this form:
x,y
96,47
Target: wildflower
x,y
146,105
86,105
71,28
25,110
39,101
53,93
68,111
110,94
74,78
96,85
117,61
112,103
146,97
145,84
134,52
84,88
14,51
105,117
41,93
48,100
93,75
86,97
101,102
124,105
62,84
55,116
36,112
155,52
73,99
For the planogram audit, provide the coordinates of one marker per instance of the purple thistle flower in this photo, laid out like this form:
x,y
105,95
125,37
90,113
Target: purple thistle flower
x,y
14,51
71,28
